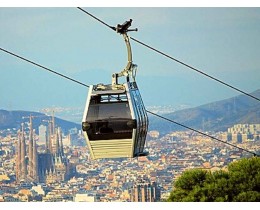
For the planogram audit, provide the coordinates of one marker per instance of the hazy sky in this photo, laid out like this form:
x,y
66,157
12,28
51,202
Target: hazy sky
x,y
222,42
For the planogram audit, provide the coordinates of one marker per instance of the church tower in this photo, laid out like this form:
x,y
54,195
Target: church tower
x,y
23,172
18,157
35,161
27,160
30,148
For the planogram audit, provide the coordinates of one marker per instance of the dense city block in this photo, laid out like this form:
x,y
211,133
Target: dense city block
x,y
51,166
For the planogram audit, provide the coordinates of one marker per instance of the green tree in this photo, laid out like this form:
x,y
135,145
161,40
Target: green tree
x,y
241,182
187,187
249,196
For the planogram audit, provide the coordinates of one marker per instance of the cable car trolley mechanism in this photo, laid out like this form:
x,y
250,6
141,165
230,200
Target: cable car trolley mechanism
x,y
115,121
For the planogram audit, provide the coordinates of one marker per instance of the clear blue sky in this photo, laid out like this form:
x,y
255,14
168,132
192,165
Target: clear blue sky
x,y
223,42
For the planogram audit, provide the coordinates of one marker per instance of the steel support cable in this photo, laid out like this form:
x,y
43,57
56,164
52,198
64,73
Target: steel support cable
x,y
195,69
212,137
113,28
174,59
45,68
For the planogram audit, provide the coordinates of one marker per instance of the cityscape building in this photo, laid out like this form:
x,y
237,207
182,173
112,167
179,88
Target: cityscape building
x,y
48,167
145,191
84,197
76,177
27,159
240,133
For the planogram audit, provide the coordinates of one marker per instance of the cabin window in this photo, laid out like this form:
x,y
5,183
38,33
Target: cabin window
x,y
109,120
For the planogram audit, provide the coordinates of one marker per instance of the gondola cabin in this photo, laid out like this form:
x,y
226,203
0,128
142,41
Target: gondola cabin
x,y
115,122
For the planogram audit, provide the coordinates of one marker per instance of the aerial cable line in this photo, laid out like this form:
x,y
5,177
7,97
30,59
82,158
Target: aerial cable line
x,y
111,27
164,118
195,69
45,68
212,137
174,59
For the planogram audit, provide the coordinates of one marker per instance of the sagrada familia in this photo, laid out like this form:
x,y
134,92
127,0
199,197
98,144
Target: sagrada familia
x,y
48,167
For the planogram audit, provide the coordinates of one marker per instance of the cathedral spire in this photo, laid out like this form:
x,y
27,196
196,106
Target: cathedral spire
x,y
23,155
57,143
50,144
47,142
30,148
35,160
61,142
18,158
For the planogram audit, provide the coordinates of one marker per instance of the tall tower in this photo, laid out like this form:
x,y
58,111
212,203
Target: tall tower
x,y
35,161
61,143
27,161
23,155
30,148
47,146
57,150
18,157
145,191
50,144
52,134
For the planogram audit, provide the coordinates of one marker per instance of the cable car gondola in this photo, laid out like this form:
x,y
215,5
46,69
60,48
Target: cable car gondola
x,y
115,121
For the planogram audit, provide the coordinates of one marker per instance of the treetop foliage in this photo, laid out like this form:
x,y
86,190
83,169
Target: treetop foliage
x,y
240,182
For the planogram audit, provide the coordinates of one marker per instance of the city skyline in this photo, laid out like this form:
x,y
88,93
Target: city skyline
x,y
116,179
223,42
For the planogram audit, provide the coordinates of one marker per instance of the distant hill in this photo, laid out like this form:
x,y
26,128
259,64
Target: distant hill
x,y
13,119
216,116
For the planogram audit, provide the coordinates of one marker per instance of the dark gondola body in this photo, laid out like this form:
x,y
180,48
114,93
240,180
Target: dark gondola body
x,y
115,122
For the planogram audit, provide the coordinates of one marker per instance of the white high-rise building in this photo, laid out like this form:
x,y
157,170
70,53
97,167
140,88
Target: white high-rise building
x,y
240,133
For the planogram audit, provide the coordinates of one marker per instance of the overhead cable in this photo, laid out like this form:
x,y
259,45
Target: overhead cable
x,y
111,27
195,69
212,137
176,60
43,67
